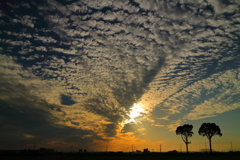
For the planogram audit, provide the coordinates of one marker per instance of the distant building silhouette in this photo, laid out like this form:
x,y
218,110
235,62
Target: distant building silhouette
x,y
138,151
146,150
173,151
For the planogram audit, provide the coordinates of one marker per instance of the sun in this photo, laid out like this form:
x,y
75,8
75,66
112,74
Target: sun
x,y
136,111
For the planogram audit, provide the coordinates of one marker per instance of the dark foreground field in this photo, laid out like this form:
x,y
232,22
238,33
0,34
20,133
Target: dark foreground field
x,y
220,156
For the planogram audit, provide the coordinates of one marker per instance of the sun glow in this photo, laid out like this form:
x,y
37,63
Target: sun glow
x,y
136,111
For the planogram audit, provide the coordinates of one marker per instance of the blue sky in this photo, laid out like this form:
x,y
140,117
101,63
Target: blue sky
x,y
101,72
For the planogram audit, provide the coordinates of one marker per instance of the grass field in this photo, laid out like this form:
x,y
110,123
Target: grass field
x,y
127,157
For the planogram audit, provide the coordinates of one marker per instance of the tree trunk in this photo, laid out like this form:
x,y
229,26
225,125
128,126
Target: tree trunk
x,y
210,144
187,147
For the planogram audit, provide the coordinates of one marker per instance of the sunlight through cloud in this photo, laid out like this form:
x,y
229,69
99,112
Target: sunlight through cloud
x,y
135,112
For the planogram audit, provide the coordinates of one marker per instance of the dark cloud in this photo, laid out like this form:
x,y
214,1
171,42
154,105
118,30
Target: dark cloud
x,y
130,127
129,93
66,100
106,108
75,123
23,113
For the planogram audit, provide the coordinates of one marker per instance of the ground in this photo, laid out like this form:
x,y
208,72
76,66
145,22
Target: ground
x,y
127,157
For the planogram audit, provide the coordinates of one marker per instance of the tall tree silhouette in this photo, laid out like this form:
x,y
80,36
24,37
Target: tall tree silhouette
x,y
209,130
185,131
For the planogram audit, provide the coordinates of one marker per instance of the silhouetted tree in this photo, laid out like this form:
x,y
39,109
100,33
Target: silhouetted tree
x,y
185,131
209,130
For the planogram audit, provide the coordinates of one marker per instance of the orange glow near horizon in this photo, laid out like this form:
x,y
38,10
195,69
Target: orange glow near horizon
x,y
129,143
125,142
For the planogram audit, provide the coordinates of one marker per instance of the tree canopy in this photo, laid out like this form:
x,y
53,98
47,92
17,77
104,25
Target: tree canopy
x,y
185,131
209,130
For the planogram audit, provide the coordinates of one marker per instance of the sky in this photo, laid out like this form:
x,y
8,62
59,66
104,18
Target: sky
x,y
118,75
